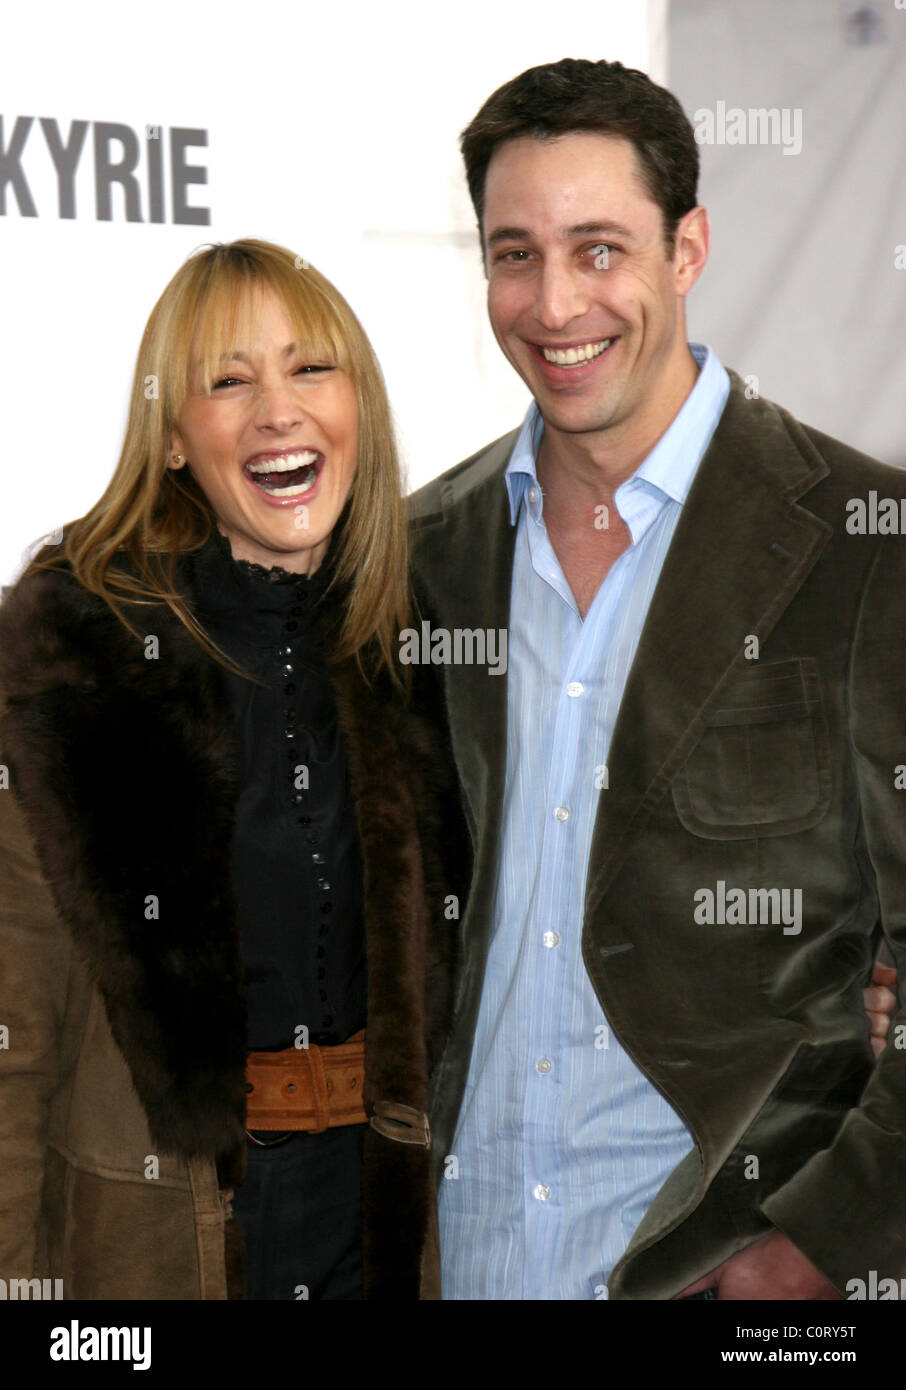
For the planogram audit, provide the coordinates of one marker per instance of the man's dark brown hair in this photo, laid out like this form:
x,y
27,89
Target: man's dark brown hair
x,y
578,95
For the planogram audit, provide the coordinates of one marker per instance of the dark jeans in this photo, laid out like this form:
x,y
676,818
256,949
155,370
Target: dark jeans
x,y
300,1212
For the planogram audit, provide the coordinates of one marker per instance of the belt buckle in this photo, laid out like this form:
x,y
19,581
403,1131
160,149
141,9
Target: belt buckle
x,y
281,1137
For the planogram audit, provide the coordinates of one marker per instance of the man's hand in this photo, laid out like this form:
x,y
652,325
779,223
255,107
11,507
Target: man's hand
x,y
880,1001
770,1268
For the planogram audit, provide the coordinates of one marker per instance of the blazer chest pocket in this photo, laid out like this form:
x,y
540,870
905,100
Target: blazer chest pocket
x,y
762,766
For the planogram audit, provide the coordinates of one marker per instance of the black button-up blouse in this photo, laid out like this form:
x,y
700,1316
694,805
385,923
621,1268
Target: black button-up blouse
x,y
295,849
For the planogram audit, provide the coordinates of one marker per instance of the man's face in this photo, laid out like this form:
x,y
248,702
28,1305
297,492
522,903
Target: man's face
x,y
577,264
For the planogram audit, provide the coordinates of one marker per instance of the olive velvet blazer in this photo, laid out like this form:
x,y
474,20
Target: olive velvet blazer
x,y
772,772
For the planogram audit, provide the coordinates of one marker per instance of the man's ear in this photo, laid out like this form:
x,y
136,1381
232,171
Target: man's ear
x,y
693,242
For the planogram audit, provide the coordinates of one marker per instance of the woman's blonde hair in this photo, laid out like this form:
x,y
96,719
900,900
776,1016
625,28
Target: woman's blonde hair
x,y
151,514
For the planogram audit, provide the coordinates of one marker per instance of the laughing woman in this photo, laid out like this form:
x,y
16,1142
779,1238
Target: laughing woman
x,y
229,832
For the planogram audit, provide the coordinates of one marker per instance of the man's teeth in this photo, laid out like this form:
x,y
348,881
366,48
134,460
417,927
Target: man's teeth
x,y
570,357
286,464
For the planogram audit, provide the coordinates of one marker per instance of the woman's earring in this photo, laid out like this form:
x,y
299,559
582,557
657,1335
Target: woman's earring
x,y
178,460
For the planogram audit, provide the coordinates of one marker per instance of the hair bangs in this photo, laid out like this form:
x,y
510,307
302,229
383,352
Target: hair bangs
x,y
217,319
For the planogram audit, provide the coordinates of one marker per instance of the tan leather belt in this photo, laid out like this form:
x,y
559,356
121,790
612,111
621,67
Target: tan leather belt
x,y
311,1088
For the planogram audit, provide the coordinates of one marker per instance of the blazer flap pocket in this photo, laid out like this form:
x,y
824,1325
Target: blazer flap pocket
x,y
762,764
782,690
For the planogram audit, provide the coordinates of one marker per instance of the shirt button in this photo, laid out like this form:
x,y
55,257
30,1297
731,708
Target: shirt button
x,y
575,688
562,813
550,938
533,494
543,1066
541,1193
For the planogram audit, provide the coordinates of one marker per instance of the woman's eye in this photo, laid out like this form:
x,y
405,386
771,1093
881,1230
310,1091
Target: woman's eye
x,y
305,369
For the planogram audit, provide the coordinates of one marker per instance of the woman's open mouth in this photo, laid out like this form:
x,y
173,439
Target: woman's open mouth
x,y
285,475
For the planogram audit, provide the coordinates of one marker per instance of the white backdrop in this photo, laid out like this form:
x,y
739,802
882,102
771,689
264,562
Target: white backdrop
x,y
805,287
330,129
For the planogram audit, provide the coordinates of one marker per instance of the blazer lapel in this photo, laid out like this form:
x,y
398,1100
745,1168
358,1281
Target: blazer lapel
x,y
476,525
741,550
470,537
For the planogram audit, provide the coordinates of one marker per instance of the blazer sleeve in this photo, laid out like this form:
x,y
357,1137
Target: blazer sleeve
x,y
35,961
846,1208
445,846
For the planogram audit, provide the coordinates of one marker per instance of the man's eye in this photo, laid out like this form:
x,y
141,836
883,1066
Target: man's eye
x,y
602,253
511,255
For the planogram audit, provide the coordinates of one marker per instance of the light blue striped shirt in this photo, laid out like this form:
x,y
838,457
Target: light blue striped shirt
x,y
562,1143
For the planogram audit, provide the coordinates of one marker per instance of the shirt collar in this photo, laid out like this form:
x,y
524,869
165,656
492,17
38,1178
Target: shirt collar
x,y
672,463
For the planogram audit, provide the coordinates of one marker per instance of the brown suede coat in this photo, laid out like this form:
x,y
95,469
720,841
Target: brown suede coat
x,y
772,772
126,1032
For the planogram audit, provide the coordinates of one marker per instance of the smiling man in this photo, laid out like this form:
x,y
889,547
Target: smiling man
x,y
705,701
